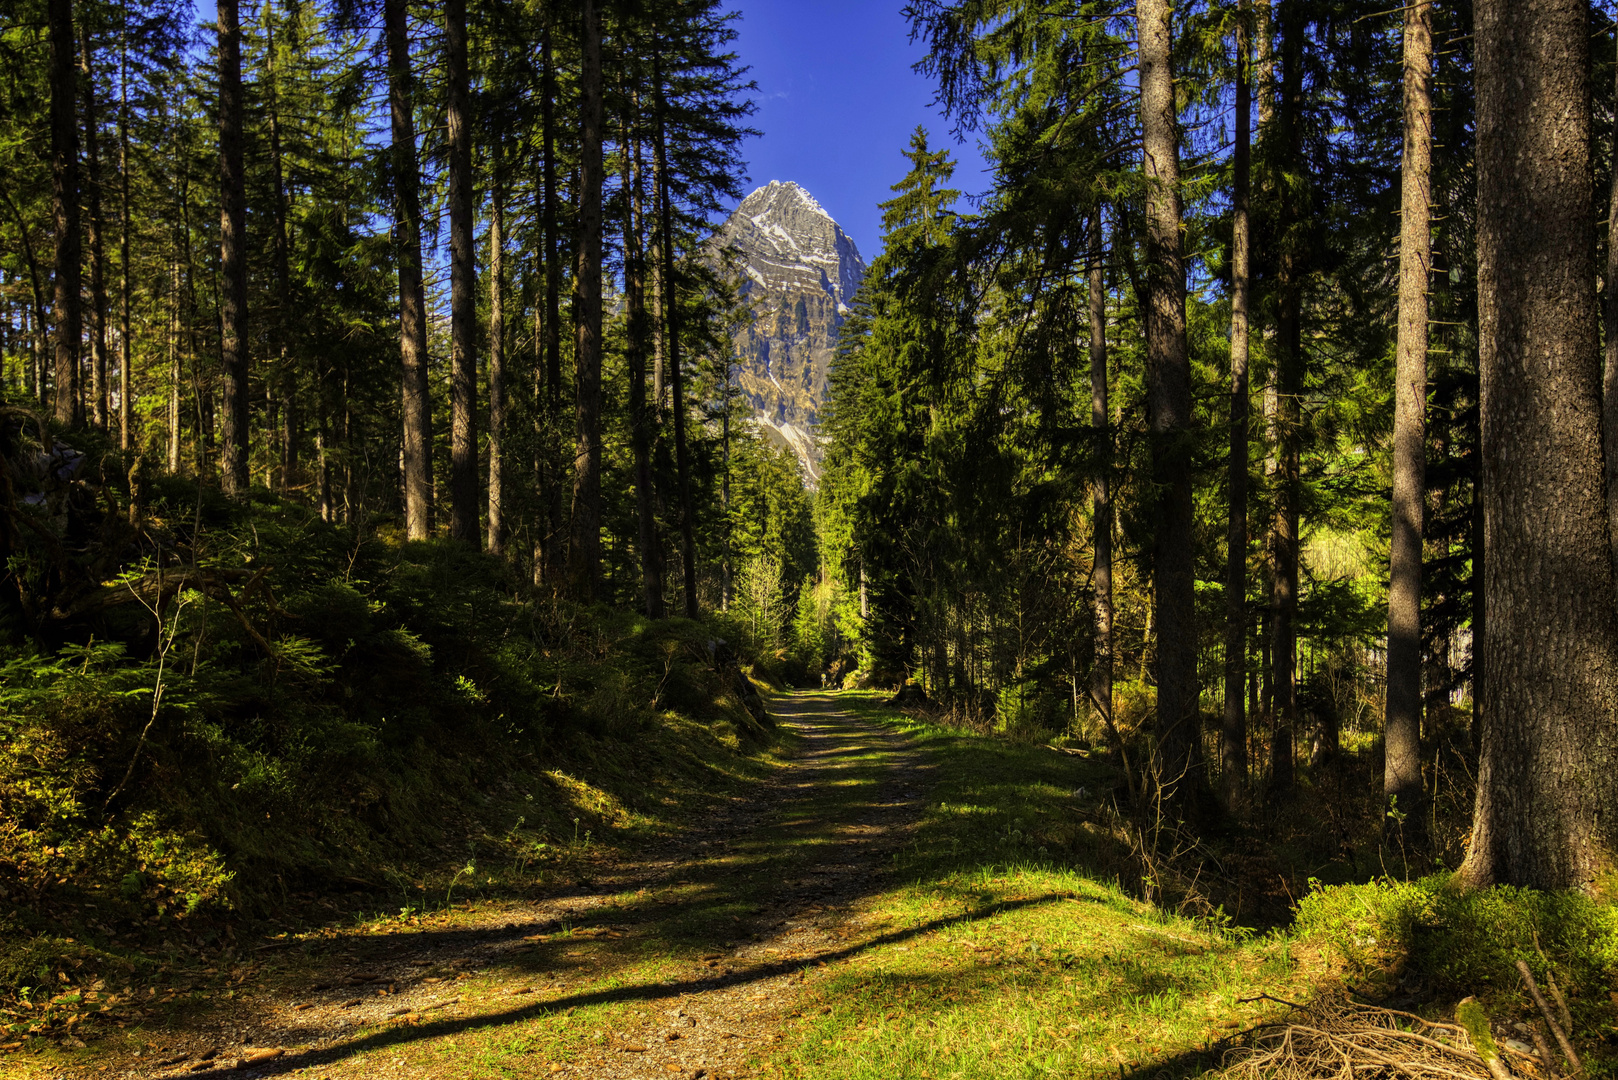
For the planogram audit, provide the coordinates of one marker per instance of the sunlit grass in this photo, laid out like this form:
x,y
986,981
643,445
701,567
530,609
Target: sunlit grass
x,y
1011,950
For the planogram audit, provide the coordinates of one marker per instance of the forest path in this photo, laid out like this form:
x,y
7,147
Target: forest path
x,y
686,961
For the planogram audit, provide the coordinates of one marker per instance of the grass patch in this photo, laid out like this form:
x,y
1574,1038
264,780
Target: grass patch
x,y
1011,950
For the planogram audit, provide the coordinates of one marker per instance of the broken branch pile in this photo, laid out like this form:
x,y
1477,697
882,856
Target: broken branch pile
x,y
1343,1040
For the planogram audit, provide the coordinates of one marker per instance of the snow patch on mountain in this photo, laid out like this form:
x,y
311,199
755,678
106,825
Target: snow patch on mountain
x,y
801,271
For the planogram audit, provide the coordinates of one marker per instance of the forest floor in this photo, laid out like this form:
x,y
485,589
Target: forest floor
x,y
827,923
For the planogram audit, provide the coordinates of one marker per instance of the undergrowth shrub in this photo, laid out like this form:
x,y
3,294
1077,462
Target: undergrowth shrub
x,y
1461,941
256,701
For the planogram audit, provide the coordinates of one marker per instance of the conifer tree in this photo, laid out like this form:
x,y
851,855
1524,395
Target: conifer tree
x,y
1169,406
463,480
584,555
1402,781
68,405
233,350
416,406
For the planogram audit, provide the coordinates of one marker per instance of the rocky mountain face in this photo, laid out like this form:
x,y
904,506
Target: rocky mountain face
x,y
801,272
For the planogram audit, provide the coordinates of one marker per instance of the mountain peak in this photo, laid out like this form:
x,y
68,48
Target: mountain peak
x,y
778,196
802,271
786,235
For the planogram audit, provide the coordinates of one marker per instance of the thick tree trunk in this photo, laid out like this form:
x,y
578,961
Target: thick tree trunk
x,y
232,251
1101,490
1233,733
1289,363
496,542
284,384
1609,398
549,557
635,350
68,406
126,378
415,400
584,555
1169,412
1401,778
671,344
463,303
1547,789
97,235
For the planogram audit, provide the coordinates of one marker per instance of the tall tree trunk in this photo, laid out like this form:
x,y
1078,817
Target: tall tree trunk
x,y
671,343
635,348
1101,493
584,556
496,542
552,231
68,407
463,303
284,384
97,233
415,399
126,377
1401,778
726,587
1288,422
176,378
1233,734
1609,394
1547,788
548,560
232,250
1169,412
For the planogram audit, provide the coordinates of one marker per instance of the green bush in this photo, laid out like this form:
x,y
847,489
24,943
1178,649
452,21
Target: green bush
x,y
1461,941
354,701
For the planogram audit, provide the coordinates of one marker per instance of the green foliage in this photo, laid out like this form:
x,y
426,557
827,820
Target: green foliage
x,y
1462,941
310,708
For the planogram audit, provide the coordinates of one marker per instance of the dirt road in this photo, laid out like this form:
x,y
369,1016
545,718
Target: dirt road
x,y
686,961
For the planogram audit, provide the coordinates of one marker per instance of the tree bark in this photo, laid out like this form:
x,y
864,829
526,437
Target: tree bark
x,y
1169,412
126,378
549,559
635,354
671,343
1401,778
584,556
1288,419
1233,733
1101,490
552,231
68,406
415,400
232,252
96,233
1547,784
463,455
175,376
496,542
1609,396
284,381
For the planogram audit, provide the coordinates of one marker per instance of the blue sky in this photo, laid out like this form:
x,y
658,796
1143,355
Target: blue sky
x,y
837,102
